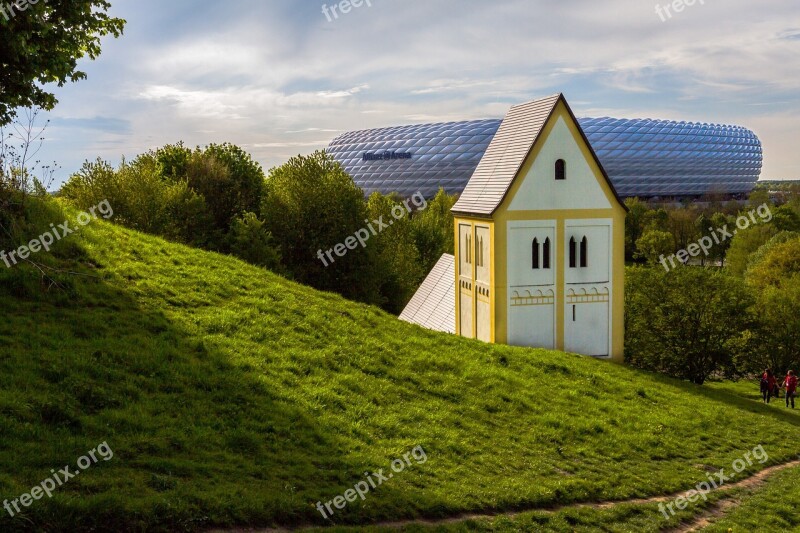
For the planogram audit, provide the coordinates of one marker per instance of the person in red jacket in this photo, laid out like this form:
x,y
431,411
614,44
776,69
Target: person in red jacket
x,y
768,385
791,387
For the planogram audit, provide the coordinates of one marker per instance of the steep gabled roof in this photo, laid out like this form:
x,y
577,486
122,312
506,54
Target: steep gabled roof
x,y
508,151
434,304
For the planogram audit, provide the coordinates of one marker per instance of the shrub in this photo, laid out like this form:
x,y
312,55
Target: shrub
x,y
249,240
687,323
311,205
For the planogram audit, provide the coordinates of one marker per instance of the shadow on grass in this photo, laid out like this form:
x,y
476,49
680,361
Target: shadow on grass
x,y
198,441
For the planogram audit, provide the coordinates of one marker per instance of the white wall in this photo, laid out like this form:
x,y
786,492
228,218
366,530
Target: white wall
x,y
531,292
587,323
540,189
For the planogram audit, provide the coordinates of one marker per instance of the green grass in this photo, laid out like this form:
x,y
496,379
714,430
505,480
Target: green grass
x,y
771,508
231,396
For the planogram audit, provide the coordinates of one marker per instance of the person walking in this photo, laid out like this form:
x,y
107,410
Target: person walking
x,y
791,387
768,385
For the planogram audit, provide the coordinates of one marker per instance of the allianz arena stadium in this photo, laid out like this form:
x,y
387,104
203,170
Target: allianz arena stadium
x,y
643,157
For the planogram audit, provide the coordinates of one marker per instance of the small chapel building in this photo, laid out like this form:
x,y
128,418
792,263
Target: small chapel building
x,y
539,243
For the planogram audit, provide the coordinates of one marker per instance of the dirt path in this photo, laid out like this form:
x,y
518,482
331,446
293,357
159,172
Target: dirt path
x,y
701,521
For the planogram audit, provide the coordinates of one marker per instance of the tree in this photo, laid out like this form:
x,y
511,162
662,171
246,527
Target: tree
x,y
43,43
653,244
774,262
397,257
635,225
251,242
311,206
246,174
785,218
681,224
719,251
744,244
433,230
687,323
777,344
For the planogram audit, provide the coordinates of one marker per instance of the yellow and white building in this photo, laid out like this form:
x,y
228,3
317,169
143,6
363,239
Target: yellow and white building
x,y
540,237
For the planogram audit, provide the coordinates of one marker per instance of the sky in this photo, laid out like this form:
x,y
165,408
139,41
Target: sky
x,y
281,78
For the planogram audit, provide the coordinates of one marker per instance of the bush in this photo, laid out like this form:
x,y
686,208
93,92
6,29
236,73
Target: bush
x,y
397,256
311,205
433,230
190,196
249,240
687,323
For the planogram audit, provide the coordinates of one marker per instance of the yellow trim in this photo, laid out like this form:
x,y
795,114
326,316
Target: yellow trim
x,y
556,214
457,281
472,294
493,293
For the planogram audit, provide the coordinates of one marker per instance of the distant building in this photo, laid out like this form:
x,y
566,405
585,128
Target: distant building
x,y
540,231
644,158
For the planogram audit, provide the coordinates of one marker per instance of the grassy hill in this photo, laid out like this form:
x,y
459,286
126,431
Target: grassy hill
x,y
231,396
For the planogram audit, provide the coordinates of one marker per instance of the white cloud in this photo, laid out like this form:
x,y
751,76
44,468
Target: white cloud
x,y
276,75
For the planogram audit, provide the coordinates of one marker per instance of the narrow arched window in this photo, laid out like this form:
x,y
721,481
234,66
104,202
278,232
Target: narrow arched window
x,y
480,251
584,252
468,249
546,253
573,262
561,169
535,254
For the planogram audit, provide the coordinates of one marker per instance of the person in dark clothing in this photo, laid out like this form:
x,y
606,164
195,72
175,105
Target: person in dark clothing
x,y
768,385
791,387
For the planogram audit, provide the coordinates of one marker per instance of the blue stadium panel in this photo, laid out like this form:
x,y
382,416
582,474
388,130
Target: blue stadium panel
x,y
642,157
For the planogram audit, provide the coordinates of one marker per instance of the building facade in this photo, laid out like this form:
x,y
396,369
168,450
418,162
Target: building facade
x,y
539,232
643,157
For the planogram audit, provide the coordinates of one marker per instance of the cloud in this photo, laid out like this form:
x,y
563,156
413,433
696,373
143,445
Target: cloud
x,y
103,124
275,76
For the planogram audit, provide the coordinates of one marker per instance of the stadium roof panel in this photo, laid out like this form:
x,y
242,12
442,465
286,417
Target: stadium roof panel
x,y
643,157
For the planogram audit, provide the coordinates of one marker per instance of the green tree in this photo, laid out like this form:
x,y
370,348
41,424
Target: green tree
x,y
785,218
653,244
311,206
687,323
174,160
433,230
758,197
719,251
776,261
397,256
681,224
249,240
43,44
247,176
744,244
142,199
635,225
777,343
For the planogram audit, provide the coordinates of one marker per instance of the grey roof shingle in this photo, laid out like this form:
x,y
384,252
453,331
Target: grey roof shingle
x,y
433,306
504,157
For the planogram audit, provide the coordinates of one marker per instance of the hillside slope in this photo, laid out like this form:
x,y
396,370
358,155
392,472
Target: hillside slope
x,y
231,396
